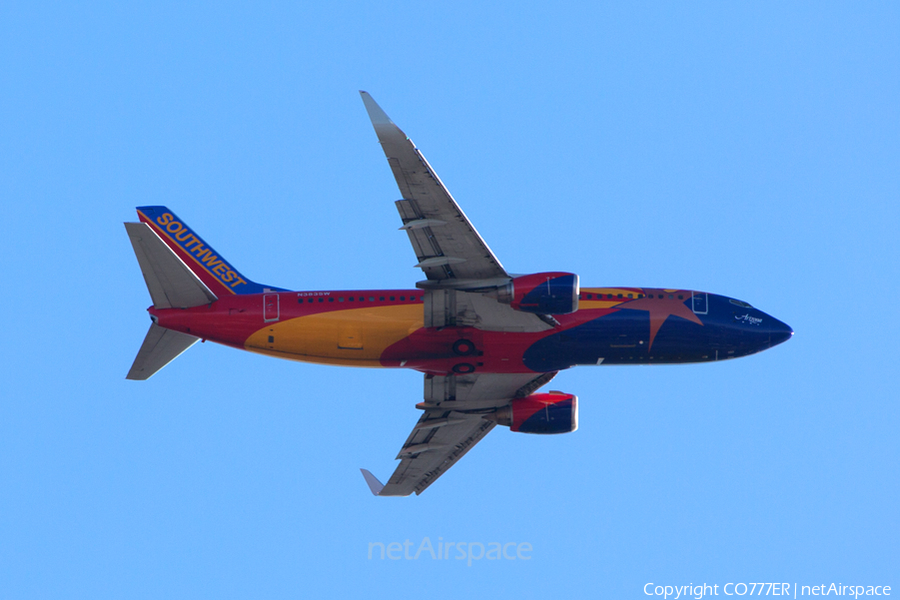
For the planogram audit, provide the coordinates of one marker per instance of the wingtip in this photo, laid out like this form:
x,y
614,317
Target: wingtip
x,y
376,115
375,486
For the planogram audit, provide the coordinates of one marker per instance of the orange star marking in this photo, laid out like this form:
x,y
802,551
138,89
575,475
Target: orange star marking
x,y
662,304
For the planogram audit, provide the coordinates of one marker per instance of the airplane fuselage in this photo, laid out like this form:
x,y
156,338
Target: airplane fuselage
x,y
486,339
385,328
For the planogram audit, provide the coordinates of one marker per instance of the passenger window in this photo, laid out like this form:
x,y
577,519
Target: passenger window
x,y
381,298
341,299
321,299
402,298
331,299
630,295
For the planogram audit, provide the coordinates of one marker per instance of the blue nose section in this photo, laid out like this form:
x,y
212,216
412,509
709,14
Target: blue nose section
x,y
752,330
779,332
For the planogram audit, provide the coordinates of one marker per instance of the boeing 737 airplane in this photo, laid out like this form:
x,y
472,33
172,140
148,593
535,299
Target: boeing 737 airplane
x,y
484,339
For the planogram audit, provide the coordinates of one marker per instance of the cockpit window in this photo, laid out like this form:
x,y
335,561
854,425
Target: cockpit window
x,y
740,303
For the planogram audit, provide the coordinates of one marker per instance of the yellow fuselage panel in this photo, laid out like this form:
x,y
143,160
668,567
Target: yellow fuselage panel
x,y
355,336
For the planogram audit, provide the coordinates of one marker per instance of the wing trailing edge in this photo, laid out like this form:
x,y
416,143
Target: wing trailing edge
x,y
452,423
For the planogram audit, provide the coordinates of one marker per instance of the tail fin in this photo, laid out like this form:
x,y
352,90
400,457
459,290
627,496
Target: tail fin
x,y
170,282
181,271
204,262
171,285
160,347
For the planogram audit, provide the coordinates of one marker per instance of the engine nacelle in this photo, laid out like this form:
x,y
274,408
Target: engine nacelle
x,y
554,293
555,412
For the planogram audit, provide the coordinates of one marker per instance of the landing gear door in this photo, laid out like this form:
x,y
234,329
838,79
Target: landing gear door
x,y
699,303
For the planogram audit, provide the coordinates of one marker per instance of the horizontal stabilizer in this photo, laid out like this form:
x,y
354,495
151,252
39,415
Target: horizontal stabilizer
x,y
170,282
160,347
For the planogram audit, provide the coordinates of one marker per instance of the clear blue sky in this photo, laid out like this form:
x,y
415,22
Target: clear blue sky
x,y
748,149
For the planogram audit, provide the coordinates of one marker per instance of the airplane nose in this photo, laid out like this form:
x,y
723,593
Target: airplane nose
x,y
780,332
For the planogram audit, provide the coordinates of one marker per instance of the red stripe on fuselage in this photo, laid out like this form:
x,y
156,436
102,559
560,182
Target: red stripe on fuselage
x,y
233,319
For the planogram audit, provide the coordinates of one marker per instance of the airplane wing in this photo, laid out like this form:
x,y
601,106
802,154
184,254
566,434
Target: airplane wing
x,y
455,259
453,421
446,243
458,265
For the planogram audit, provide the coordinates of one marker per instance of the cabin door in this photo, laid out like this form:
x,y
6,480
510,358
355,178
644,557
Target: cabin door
x,y
699,303
270,307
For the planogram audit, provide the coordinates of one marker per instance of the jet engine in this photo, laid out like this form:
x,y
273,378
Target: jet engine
x,y
552,293
555,412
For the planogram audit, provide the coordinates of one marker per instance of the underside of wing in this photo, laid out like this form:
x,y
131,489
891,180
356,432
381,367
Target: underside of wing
x,y
458,264
449,436
446,244
453,421
448,307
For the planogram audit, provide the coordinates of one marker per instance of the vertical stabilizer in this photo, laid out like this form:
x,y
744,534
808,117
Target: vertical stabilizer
x,y
170,282
208,265
171,285
181,271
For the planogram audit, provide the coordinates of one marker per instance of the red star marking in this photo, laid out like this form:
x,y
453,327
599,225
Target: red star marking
x,y
661,308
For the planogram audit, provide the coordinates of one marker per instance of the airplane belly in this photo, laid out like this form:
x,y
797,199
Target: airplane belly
x,y
343,337
623,337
